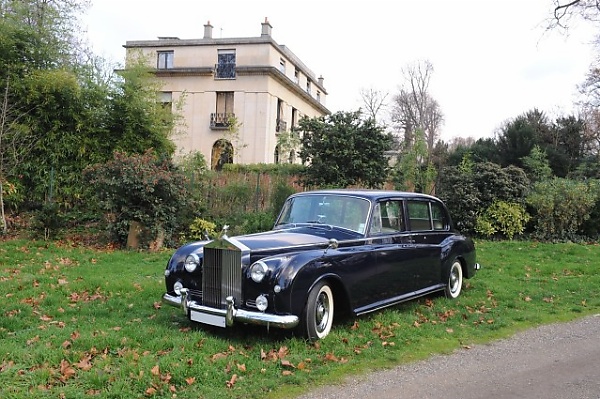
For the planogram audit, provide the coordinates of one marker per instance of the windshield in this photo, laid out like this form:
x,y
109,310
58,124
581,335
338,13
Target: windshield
x,y
335,210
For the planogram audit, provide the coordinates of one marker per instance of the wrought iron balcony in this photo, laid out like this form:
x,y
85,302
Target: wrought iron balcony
x,y
219,121
225,70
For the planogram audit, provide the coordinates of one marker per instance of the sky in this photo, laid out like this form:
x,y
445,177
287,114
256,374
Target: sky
x,y
493,60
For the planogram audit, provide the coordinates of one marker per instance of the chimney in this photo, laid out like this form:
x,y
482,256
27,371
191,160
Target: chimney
x,y
321,79
208,30
266,28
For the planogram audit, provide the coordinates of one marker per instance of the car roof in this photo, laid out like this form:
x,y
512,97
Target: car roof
x,y
370,194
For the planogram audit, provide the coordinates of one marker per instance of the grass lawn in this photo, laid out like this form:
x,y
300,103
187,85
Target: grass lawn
x,y
82,323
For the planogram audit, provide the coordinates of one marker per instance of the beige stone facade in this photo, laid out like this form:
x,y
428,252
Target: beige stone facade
x,y
259,82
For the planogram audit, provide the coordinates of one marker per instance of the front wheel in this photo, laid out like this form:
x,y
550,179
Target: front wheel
x,y
317,317
455,280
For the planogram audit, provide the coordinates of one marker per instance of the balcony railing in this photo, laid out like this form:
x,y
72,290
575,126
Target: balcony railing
x,y
281,126
225,70
219,121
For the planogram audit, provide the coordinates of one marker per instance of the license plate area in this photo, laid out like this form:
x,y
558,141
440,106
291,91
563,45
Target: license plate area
x,y
205,318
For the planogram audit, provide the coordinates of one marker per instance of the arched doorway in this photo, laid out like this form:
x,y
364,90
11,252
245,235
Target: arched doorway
x,y
222,153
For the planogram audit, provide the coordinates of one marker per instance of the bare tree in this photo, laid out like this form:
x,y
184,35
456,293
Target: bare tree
x,y
374,101
565,12
414,108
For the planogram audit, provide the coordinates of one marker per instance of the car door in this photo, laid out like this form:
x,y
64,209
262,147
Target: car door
x,y
399,260
428,227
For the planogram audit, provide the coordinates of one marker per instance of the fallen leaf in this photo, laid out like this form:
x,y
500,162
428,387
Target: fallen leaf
x,y
155,370
241,367
286,372
190,380
66,371
286,363
217,356
84,364
232,381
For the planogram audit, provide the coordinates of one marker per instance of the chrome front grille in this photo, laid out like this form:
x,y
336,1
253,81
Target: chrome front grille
x,y
221,276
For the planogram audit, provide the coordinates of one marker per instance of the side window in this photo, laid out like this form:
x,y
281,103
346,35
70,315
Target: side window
x,y
418,215
376,220
387,218
439,216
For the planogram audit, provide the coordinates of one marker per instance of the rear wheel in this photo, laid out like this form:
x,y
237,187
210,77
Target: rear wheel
x,y
317,317
455,280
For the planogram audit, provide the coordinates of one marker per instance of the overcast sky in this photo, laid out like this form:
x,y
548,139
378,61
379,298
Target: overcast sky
x,y
492,59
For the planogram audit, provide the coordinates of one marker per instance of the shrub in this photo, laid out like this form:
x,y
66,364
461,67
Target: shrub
x,y
470,189
140,188
47,221
561,206
201,229
507,218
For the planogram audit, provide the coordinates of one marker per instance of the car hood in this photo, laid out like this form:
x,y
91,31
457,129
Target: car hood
x,y
297,236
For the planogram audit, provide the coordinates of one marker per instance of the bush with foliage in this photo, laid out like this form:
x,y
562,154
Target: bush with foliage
x,y
471,188
507,218
561,207
201,229
141,188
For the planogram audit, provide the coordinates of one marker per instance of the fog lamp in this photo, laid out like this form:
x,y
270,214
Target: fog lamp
x,y
177,287
262,303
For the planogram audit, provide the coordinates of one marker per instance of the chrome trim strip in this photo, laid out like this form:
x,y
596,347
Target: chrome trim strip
x,y
231,314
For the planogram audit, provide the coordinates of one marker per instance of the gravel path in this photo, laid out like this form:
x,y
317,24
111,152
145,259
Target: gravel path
x,y
557,361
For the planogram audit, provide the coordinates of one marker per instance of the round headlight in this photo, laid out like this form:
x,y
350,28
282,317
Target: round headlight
x,y
192,261
258,271
177,287
262,303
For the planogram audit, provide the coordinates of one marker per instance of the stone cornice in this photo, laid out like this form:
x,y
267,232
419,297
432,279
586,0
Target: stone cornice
x,y
250,71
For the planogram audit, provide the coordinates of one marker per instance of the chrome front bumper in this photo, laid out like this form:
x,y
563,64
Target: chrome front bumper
x,y
227,317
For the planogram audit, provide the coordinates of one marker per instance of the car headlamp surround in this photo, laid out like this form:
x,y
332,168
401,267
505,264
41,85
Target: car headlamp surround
x,y
192,261
258,271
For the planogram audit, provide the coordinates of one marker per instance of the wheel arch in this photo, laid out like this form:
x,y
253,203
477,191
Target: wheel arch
x,y
341,299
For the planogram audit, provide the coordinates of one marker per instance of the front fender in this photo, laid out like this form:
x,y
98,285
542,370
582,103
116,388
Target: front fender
x,y
300,274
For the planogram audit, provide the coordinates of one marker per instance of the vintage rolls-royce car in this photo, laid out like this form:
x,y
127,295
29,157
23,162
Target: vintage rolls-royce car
x,y
330,251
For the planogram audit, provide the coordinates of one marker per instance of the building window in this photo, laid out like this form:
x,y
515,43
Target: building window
x,y
294,117
277,160
165,60
282,65
318,96
308,86
225,68
297,77
281,123
221,119
166,98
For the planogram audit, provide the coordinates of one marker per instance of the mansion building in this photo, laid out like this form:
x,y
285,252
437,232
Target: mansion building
x,y
237,95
